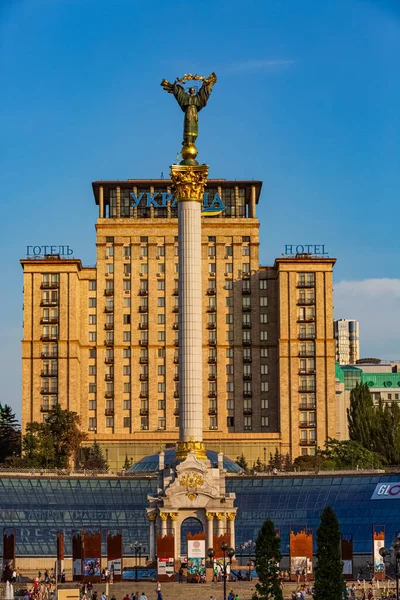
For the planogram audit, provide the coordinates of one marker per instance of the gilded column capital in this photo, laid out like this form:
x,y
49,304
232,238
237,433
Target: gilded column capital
x,y
152,516
231,516
189,182
163,516
210,516
220,516
183,449
174,516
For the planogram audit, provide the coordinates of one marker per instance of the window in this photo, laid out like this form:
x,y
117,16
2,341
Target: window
x,y
211,251
144,239
230,404
212,238
247,423
246,336
92,353
246,319
109,268
228,267
161,284
229,301
110,422
229,369
229,250
264,386
92,404
126,336
228,284
127,270
92,369
92,284
161,319
264,369
247,369
126,369
127,302
161,369
161,267
109,251
160,251
127,319
161,353
126,353
246,267
263,336
161,386
92,319
245,239
161,422
127,421
229,353
264,421
230,421
212,268
245,250
92,336
263,300
229,318
92,302
161,336
92,388
263,284
92,424
247,353
229,386
143,268
161,405
211,284
264,318
264,403
246,303
127,251
127,285
161,301
263,352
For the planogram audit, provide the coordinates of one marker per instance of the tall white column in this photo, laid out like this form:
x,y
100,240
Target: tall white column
x,y
190,322
210,530
231,523
163,517
152,536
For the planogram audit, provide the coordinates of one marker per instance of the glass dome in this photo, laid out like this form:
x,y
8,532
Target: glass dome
x,y
149,464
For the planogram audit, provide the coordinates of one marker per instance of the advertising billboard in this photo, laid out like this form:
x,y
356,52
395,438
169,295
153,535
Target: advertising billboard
x,y
387,491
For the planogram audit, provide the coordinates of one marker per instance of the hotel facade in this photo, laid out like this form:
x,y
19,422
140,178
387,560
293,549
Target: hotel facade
x,y
104,342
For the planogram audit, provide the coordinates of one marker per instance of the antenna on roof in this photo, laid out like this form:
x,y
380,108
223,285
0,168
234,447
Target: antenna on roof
x,y
162,175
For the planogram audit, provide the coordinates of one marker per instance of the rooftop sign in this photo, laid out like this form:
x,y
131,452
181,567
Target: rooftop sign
x,y
314,249
49,250
161,199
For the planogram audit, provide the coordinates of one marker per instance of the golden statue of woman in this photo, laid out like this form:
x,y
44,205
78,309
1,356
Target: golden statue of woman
x,y
191,103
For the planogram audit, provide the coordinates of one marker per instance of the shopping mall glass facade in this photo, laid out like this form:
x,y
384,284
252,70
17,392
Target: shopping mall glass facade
x,y
40,506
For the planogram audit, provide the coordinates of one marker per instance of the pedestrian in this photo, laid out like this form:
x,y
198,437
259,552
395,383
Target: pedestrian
x,y
127,597
159,595
158,586
103,596
143,596
89,589
236,597
94,596
180,575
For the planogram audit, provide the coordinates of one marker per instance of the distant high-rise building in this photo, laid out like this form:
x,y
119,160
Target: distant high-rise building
x,y
347,341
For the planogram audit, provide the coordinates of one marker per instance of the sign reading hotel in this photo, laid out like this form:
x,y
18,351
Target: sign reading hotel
x,y
387,491
161,199
314,249
49,251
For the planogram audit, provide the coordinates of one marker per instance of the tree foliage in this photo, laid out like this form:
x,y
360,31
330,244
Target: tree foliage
x,y
377,428
268,555
348,454
127,463
92,457
242,462
53,443
329,568
10,434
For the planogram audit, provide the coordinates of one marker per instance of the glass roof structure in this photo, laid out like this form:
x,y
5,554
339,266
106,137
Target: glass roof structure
x,y
149,464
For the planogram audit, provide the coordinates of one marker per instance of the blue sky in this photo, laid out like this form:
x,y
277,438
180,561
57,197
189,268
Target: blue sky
x,y
307,100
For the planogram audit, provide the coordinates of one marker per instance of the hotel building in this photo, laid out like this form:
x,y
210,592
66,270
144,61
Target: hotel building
x,y
103,341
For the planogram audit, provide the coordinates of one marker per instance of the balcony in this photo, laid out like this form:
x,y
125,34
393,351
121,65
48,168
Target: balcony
x,y
53,302
305,284
143,412
109,377
308,442
143,309
246,291
49,338
143,342
45,408
49,286
247,394
108,309
246,325
48,355
143,292
247,359
212,377
109,342
306,353
109,361
211,326
246,342
47,320
176,394
211,292
247,377
175,309
212,342
305,301
144,394
247,411
246,308
306,319
307,389
109,326
109,395
143,377
212,411
307,335
109,292
175,292
176,377
108,412
212,360
212,309
304,424
175,326
176,412
49,373
48,391
306,371
143,326
176,361
176,342
309,406
212,394
143,360
213,427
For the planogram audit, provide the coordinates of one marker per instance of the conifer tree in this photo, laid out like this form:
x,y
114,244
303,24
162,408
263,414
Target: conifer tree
x,y
10,434
329,568
361,415
268,555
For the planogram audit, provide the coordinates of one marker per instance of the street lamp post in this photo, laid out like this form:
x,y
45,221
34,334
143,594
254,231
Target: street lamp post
x,y
138,548
228,552
394,554
250,546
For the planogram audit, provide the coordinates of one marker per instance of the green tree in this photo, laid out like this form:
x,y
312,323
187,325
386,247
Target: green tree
x,y
268,555
10,434
361,416
348,454
309,463
127,464
242,462
53,443
329,568
92,457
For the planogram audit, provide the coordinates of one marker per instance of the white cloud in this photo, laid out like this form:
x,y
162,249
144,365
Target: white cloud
x,y
260,64
375,303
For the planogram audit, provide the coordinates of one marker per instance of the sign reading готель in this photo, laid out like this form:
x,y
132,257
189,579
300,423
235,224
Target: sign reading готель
x,y
315,249
49,250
